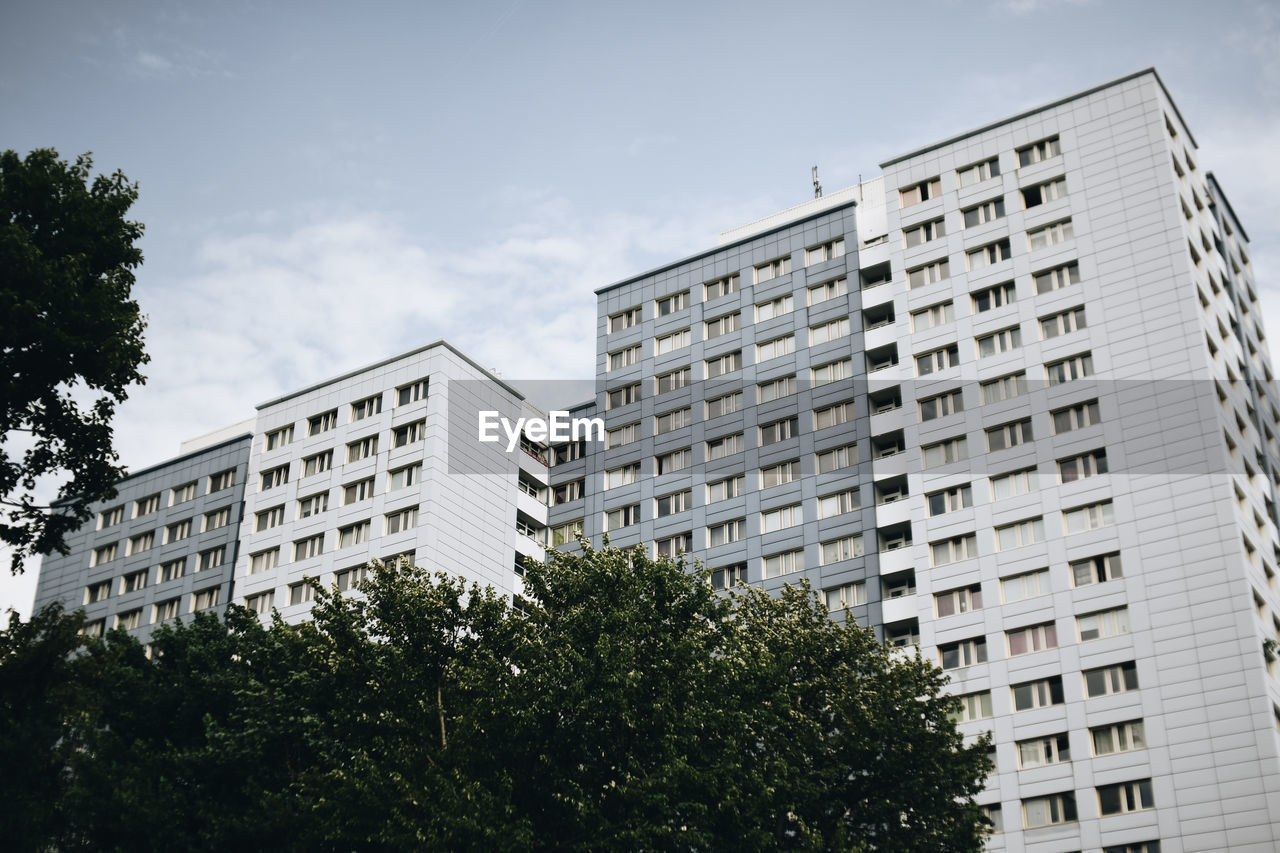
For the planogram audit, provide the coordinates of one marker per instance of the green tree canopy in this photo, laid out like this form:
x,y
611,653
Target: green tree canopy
x,y
624,705
70,340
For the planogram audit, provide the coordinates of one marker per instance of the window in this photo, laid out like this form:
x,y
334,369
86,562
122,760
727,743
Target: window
x,y
726,532
947,403
405,519
775,348
1041,752
844,548
1057,278
1069,369
930,273
1004,388
1118,678
978,172
985,256
312,546
178,530
1019,533
1099,569
412,393
1023,586
280,437
1034,638
673,303
217,518
366,408
1119,737
827,251
142,542
774,308
671,381
622,396
673,546
622,435
825,374
993,297
723,325
1013,484
724,404
1089,517
781,518
933,316
1048,811
1044,193
673,420
721,287
166,610
173,569
358,491
828,332
945,452
146,506
955,601
625,357
1044,693
353,534
1075,417
313,505
261,603
1045,149
671,342
264,561
980,214
936,360
1140,847
725,445
222,480
953,550
104,554
566,492
110,517
621,517
1062,324
97,592
212,558
274,477
1050,235
563,534
922,191
924,232
1008,435
1125,797
205,599
779,431
409,433
728,576
975,706
268,519
183,493
624,320
623,475
301,593
780,474
721,490
362,449
787,563
1103,624
993,814
322,422
673,503
317,464
835,415
950,500
963,653
827,291
772,269
839,503
722,364
836,458
995,343
847,595
1082,467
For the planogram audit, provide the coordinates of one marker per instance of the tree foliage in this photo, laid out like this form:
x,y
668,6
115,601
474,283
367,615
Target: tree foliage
x,y
624,706
70,340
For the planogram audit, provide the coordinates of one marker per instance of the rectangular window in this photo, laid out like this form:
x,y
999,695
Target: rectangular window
x,y
1019,533
1043,751
974,706
268,519
1049,811
779,431
624,320
985,256
776,389
953,550
1023,586
97,592
839,550
827,251
621,436
673,303
780,518
1037,152
924,232
1005,340
836,458
1044,693
624,516
1050,235
1125,797
264,561
963,653
721,287
723,325
825,374
173,569
1082,467
353,534
1044,193
945,452
110,517
1013,484
562,493
993,297
723,364
980,214
183,493
671,342
357,492
623,475
104,554
933,316
774,308
177,531
672,380
673,420
274,477
726,532
1103,624
313,505
563,534
775,348
261,603
166,610
625,357
777,565
930,273
310,547
322,422
722,490
676,460
955,601
718,448
222,480
366,408
1069,369
780,474
1004,388
1008,435
673,503
362,449
950,500
1119,737
772,269
317,464
1089,517
846,596
413,392
827,291
1099,569
940,359
280,437
1057,278
978,172
922,191
301,593
1140,847
409,433
1062,324
727,577
1075,417
839,503
828,332
405,519
212,558
947,403
1104,681
829,416
205,599
142,542
674,546
623,396
1034,638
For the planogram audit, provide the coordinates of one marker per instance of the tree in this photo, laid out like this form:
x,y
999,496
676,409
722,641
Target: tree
x,y
70,340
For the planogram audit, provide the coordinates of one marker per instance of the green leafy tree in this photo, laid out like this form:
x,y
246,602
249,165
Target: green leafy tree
x,y
70,340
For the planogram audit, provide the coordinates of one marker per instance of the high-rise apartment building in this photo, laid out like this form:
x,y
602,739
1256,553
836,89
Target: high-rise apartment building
x,y
1011,404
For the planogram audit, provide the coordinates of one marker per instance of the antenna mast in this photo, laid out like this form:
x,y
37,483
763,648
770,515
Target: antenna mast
x,y
817,187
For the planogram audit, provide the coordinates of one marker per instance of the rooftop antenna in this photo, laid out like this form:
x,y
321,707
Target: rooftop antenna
x,y
817,187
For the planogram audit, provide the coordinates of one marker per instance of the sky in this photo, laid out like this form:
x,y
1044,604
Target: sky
x,y
327,184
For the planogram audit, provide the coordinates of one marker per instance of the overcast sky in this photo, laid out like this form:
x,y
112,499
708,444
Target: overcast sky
x,y
327,184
